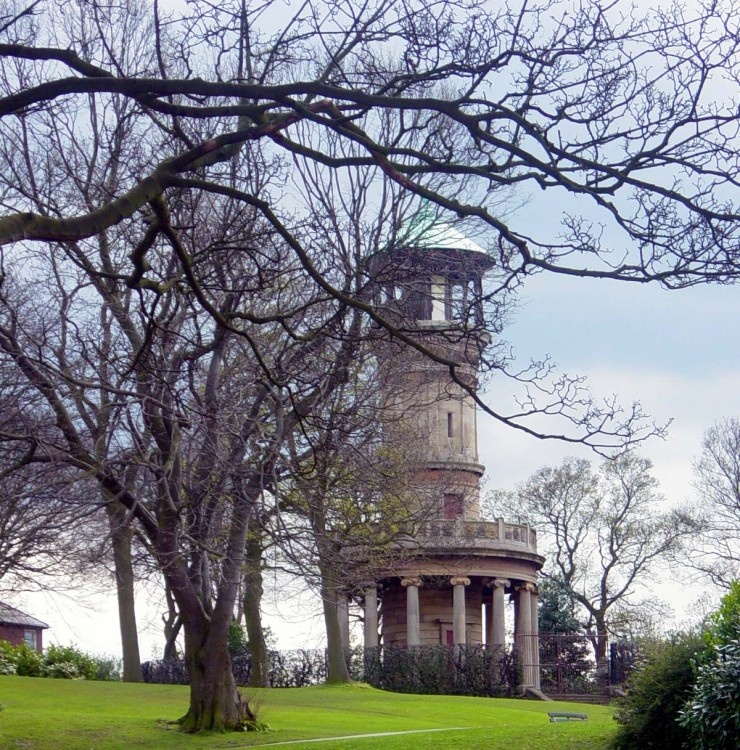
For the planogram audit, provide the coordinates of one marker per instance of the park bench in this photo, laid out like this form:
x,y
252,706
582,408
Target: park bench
x,y
566,716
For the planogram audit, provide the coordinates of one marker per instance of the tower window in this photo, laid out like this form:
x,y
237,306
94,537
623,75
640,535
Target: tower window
x,y
450,425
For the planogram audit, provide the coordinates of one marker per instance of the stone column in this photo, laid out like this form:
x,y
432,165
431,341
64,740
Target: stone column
x,y
535,639
498,620
413,633
523,630
371,616
458,609
343,614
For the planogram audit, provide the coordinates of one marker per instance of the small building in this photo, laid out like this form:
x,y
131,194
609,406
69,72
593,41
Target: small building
x,y
18,628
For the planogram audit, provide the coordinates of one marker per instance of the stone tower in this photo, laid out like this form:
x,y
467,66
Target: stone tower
x,y
449,584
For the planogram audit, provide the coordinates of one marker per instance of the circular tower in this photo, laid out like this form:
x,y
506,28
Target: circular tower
x,y
448,583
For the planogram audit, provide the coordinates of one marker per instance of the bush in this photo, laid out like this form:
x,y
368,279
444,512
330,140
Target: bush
x,y
28,661
723,625
712,713
68,663
62,662
107,668
6,665
656,692
20,660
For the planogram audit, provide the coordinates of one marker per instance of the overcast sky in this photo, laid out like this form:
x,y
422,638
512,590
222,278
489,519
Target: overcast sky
x,y
677,352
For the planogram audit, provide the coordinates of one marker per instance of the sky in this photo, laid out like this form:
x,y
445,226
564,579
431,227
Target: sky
x,y
678,352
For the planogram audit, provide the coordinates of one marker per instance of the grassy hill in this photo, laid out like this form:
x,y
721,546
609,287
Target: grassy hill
x,y
43,714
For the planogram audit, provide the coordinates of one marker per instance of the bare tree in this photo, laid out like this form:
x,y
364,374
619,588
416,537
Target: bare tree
x,y
41,511
603,533
715,548
347,502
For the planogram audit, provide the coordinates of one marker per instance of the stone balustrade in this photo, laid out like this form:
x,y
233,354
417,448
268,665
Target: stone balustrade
x,y
458,534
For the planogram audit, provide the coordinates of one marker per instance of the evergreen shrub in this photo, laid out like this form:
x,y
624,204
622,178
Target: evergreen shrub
x,y
656,692
20,660
712,713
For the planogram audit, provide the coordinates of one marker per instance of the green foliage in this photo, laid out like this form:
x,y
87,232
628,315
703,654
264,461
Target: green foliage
x,y
238,644
712,714
107,668
68,663
7,658
724,625
565,654
656,692
62,662
556,609
442,670
20,660
6,665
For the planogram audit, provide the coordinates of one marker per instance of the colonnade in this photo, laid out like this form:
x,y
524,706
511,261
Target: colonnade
x,y
526,629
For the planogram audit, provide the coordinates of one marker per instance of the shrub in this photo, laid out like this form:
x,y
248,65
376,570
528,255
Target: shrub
x,y
107,668
20,660
656,692
6,665
28,661
63,662
712,713
67,662
723,625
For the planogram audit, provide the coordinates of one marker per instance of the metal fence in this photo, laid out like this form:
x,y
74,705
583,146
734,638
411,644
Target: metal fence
x,y
566,666
448,670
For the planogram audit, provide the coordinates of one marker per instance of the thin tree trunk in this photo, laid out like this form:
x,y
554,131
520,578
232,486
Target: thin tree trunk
x,y
124,573
258,676
172,625
336,662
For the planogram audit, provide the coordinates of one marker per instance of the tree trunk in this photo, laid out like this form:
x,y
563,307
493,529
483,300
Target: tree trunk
x,y
336,662
124,573
172,624
600,641
258,676
215,702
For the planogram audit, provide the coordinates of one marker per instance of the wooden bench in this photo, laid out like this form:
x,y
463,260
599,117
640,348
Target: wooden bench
x,y
566,716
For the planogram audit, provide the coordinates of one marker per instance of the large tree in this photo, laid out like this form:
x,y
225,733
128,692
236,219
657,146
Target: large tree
x,y
715,511
603,533
206,189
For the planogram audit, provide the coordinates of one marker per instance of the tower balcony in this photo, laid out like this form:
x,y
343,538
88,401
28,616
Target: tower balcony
x,y
481,537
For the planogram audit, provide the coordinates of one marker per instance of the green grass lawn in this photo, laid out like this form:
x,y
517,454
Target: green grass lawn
x,y
43,714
